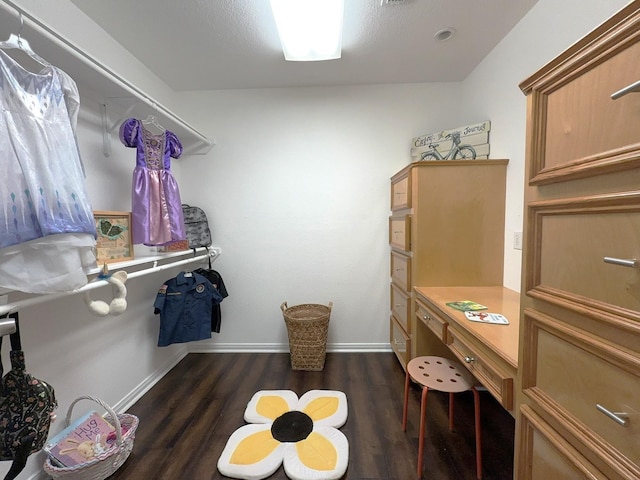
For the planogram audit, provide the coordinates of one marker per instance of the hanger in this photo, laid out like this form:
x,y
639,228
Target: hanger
x,y
151,120
16,41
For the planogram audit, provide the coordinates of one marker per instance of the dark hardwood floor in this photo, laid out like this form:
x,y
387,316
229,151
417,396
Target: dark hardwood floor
x,y
187,417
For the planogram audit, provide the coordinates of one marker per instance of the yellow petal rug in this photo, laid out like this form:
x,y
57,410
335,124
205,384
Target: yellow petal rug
x,y
301,433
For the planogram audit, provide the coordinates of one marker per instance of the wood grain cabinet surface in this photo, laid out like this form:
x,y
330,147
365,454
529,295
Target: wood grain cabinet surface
x,y
446,228
578,389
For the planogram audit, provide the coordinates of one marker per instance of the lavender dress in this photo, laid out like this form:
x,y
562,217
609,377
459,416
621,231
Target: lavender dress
x,y
155,198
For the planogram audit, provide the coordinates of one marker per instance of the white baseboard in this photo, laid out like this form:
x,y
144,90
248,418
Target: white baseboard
x,y
284,347
143,387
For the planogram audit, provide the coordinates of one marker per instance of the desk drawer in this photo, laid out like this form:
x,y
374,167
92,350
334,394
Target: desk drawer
x,y
400,232
487,372
432,320
401,270
573,375
400,306
401,192
400,342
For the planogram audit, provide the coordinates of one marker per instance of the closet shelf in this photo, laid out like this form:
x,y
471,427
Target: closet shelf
x,y
86,70
157,263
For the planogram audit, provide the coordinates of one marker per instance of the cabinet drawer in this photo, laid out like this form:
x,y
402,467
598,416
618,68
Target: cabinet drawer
x,y
400,342
400,306
401,270
400,232
576,235
401,192
499,383
545,455
573,375
581,130
432,320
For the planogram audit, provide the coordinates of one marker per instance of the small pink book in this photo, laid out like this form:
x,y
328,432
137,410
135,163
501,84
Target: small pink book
x,y
81,441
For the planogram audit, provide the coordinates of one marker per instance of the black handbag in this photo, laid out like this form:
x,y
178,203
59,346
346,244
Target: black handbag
x,y
26,409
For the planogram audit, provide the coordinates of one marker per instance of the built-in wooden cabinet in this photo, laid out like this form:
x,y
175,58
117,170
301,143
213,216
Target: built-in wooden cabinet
x,y
578,391
446,228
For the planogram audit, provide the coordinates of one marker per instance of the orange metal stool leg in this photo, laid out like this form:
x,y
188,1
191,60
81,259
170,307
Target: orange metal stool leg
x,y
423,414
407,381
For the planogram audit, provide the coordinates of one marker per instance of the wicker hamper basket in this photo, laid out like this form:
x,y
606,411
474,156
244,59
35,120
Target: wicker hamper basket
x,y
307,327
105,464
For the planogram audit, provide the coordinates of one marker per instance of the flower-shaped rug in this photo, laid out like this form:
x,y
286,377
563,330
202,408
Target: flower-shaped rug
x,y
300,433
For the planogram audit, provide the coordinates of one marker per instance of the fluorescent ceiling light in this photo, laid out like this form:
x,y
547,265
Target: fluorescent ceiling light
x,y
309,29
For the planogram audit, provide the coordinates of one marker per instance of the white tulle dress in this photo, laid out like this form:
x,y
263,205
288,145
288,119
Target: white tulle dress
x,y
47,230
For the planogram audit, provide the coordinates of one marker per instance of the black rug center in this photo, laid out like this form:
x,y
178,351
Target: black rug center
x,y
292,427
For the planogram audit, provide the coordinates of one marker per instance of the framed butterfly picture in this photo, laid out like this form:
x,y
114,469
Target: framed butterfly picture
x,y
114,240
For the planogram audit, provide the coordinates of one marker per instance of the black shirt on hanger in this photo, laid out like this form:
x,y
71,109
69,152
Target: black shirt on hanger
x,y
216,279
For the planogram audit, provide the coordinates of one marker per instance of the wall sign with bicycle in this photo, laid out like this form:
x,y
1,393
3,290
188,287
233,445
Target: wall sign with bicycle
x,y
462,143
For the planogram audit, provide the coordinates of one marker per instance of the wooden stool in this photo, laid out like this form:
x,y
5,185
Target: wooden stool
x,y
443,375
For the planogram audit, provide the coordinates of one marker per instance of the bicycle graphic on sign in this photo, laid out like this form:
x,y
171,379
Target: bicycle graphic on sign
x,y
458,151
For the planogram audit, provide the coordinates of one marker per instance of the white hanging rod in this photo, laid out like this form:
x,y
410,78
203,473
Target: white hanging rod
x,y
104,70
16,306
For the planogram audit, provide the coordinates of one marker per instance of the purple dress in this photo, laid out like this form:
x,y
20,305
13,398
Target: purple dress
x,y
155,199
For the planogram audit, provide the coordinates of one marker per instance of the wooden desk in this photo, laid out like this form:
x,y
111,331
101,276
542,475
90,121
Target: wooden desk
x,y
489,351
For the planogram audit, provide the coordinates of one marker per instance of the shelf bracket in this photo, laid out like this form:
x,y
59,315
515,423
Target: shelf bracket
x,y
107,130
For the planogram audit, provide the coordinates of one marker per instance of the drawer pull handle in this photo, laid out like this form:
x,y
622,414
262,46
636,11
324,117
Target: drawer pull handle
x,y
633,263
468,359
634,87
399,269
621,418
426,317
399,304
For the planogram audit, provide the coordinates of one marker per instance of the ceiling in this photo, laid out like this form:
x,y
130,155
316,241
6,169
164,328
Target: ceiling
x,y
214,44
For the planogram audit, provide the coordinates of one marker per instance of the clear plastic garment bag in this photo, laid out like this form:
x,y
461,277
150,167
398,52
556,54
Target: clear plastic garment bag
x,y
47,230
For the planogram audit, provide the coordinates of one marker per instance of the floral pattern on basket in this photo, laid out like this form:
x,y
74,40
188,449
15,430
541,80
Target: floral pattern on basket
x,y
104,464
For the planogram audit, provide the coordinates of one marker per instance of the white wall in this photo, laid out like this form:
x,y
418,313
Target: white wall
x,y
297,191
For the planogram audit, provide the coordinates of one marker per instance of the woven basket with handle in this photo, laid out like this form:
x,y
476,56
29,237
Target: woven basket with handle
x,y
307,327
105,464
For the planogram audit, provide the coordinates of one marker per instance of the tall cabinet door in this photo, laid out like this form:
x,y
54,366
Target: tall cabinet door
x,y
579,375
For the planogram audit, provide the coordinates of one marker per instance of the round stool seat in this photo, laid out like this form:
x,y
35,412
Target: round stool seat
x,y
440,374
